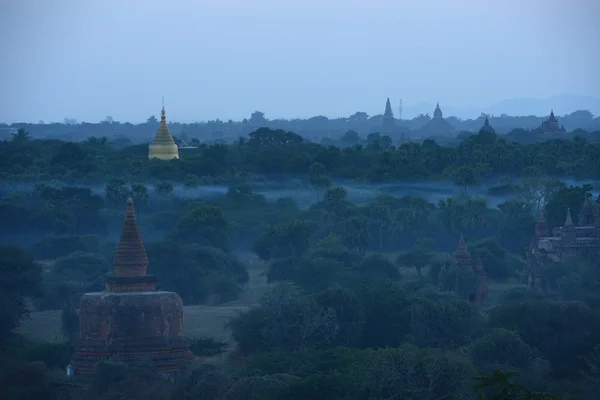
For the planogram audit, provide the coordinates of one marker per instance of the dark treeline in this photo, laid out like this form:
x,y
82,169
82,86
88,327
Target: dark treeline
x,y
278,156
318,128
362,303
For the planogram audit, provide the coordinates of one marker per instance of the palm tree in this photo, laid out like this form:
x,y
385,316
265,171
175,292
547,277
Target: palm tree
x,y
21,136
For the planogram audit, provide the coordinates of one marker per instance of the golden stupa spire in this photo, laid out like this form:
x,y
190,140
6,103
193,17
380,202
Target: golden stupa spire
x,y
163,146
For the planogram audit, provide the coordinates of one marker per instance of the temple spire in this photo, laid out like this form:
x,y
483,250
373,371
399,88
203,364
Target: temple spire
x,y
130,257
541,227
479,266
462,257
482,286
486,123
163,146
569,219
586,214
461,248
388,108
437,113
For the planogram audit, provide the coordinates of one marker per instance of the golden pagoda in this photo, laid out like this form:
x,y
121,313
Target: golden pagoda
x,y
163,146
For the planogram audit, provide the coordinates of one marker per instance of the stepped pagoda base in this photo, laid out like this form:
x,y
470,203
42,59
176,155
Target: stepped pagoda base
x,y
119,284
132,326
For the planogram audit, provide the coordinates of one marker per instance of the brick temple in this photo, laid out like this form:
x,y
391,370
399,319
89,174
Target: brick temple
x,y
568,241
463,259
131,319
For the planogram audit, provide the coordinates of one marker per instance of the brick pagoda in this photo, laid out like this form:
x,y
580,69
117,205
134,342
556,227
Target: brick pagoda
x,y
131,319
569,241
462,259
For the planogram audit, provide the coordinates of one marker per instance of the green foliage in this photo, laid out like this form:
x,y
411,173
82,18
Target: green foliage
x,y
52,247
497,386
69,277
562,332
285,240
358,374
25,381
498,263
519,295
53,355
204,224
207,347
349,314
501,347
566,197
69,321
117,192
196,272
20,279
444,324
464,176
345,295
459,280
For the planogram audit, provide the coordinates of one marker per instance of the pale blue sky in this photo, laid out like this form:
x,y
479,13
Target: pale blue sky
x,y
87,59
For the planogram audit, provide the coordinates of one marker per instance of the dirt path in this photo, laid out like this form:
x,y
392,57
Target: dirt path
x,y
199,321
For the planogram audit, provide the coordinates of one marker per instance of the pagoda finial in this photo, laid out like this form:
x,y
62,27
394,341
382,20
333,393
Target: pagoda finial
x,y
130,257
461,249
388,108
486,122
479,266
437,113
129,207
542,216
569,220
541,227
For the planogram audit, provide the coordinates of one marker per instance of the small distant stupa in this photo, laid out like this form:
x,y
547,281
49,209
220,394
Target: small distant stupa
x,y
388,118
487,127
437,125
163,146
551,125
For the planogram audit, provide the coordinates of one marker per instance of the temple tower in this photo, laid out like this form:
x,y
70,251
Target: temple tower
x,y
597,220
487,127
586,215
437,113
462,259
130,318
388,123
541,227
482,287
569,227
163,146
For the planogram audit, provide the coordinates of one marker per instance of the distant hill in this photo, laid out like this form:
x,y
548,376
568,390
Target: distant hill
x,y
561,105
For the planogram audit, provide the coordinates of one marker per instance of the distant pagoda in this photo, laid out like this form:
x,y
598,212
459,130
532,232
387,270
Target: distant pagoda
x,y
130,319
388,123
487,127
163,146
437,125
551,125
462,259
570,241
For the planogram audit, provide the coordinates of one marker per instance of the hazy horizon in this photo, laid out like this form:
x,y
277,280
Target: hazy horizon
x,y
223,60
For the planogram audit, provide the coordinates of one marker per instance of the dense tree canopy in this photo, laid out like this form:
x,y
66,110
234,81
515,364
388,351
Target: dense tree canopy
x,y
361,299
